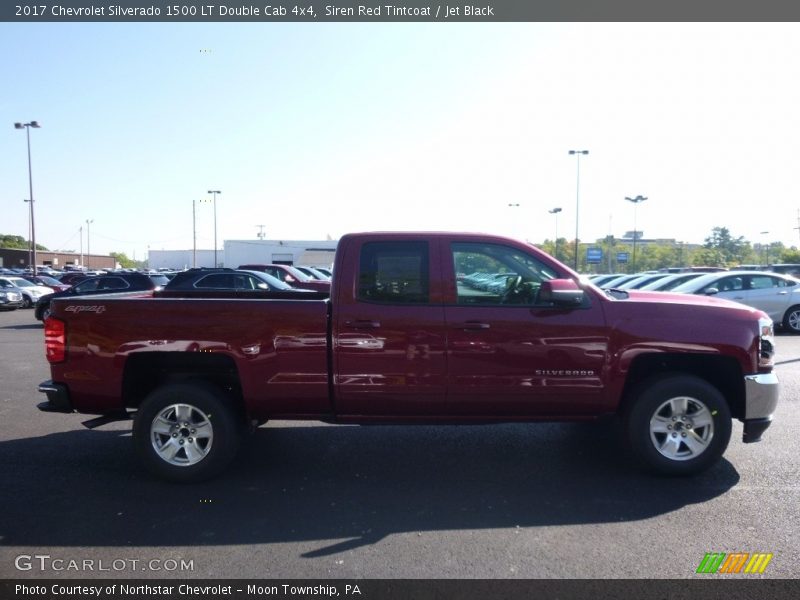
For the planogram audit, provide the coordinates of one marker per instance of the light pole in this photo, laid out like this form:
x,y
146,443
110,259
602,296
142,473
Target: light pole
x,y
765,253
577,154
215,192
555,211
27,128
635,201
88,246
194,235
30,235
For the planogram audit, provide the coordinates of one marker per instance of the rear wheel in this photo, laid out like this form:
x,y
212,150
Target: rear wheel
x,y
42,311
678,424
187,432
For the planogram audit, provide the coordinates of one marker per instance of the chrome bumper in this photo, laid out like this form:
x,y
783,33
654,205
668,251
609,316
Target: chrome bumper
x,y
761,398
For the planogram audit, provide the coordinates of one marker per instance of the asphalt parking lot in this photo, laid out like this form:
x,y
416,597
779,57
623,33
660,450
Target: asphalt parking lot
x,y
308,500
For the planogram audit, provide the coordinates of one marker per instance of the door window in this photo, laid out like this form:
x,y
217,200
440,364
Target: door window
x,y
496,274
394,273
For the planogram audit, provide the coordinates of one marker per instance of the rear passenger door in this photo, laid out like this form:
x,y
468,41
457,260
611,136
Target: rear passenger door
x,y
771,294
389,338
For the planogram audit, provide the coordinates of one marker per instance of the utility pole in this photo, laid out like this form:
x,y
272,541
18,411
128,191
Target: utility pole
x,y
260,233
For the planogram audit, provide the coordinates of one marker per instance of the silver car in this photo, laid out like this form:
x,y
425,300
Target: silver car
x,y
10,296
775,294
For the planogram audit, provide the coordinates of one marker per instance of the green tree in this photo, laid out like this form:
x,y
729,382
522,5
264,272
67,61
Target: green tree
x,y
17,242
123,260
789,255
726,250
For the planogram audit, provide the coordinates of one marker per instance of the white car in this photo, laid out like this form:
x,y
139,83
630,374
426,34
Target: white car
x,y
775,294
30,291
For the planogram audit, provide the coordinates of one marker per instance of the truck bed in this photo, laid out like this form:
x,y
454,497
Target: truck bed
x,y
277,347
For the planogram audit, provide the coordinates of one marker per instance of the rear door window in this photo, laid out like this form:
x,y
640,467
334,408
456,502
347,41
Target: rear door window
x,y
394,273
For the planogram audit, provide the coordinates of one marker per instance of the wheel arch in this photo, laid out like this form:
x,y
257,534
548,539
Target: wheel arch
x,y
146,371
723,372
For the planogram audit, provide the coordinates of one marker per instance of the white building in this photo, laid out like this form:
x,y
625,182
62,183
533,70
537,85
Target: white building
x,y
293,252
240,252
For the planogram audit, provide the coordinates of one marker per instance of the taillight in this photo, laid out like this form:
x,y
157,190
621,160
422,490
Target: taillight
x,y
55,340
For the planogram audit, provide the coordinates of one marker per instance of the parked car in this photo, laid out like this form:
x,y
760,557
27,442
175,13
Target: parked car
x,y
671,281
615,283
599,280
31,292
10,296
288,274
786,269
639,282
227,279
325,271
313,273
73,277
777,295
102,284
47,281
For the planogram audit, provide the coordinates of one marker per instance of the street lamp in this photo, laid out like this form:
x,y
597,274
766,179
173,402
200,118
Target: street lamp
x,y
765,253
27,128
88,247
555,211
577,154
30,235
215,192
194,235
635,201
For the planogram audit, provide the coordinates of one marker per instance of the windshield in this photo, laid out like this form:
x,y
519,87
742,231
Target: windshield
x,y
21,283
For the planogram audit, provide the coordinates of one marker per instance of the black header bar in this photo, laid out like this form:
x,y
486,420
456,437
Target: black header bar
x,y
407,11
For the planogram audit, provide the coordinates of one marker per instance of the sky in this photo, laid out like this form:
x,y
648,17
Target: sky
x,y
314,130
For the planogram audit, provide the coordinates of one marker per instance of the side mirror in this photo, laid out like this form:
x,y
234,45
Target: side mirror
x,y
289,279
711,291
562,292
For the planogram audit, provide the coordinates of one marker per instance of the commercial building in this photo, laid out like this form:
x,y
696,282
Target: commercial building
x,y
14,258
238,252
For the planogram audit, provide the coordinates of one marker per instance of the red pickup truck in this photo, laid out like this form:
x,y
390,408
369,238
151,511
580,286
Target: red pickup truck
x,y
418,328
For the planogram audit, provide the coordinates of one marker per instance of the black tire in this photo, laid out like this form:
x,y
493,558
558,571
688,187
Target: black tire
x,y
677,424
195,426
27,302
791,320
42,311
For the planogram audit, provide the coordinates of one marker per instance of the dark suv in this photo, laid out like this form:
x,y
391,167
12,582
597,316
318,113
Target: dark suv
x,y
103,284
230,282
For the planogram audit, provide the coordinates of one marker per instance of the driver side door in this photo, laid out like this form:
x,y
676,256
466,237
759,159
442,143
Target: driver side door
x,y
510,354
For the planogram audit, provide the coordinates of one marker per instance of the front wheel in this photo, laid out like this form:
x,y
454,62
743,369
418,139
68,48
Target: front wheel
x,y
187,432
791,320
678,424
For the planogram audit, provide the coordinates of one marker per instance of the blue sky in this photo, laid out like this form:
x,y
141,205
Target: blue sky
x,y
320,129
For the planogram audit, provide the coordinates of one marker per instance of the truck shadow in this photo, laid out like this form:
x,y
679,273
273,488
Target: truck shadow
x,y
345,487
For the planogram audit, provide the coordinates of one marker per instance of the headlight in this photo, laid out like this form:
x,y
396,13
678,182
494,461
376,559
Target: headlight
x,y
766,343
3,295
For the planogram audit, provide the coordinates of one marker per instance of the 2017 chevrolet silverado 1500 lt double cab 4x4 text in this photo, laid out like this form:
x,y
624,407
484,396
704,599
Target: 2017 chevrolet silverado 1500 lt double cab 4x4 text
x,y
406,335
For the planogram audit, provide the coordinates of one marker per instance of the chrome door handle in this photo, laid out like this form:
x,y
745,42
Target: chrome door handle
x,y
474,326
363,324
